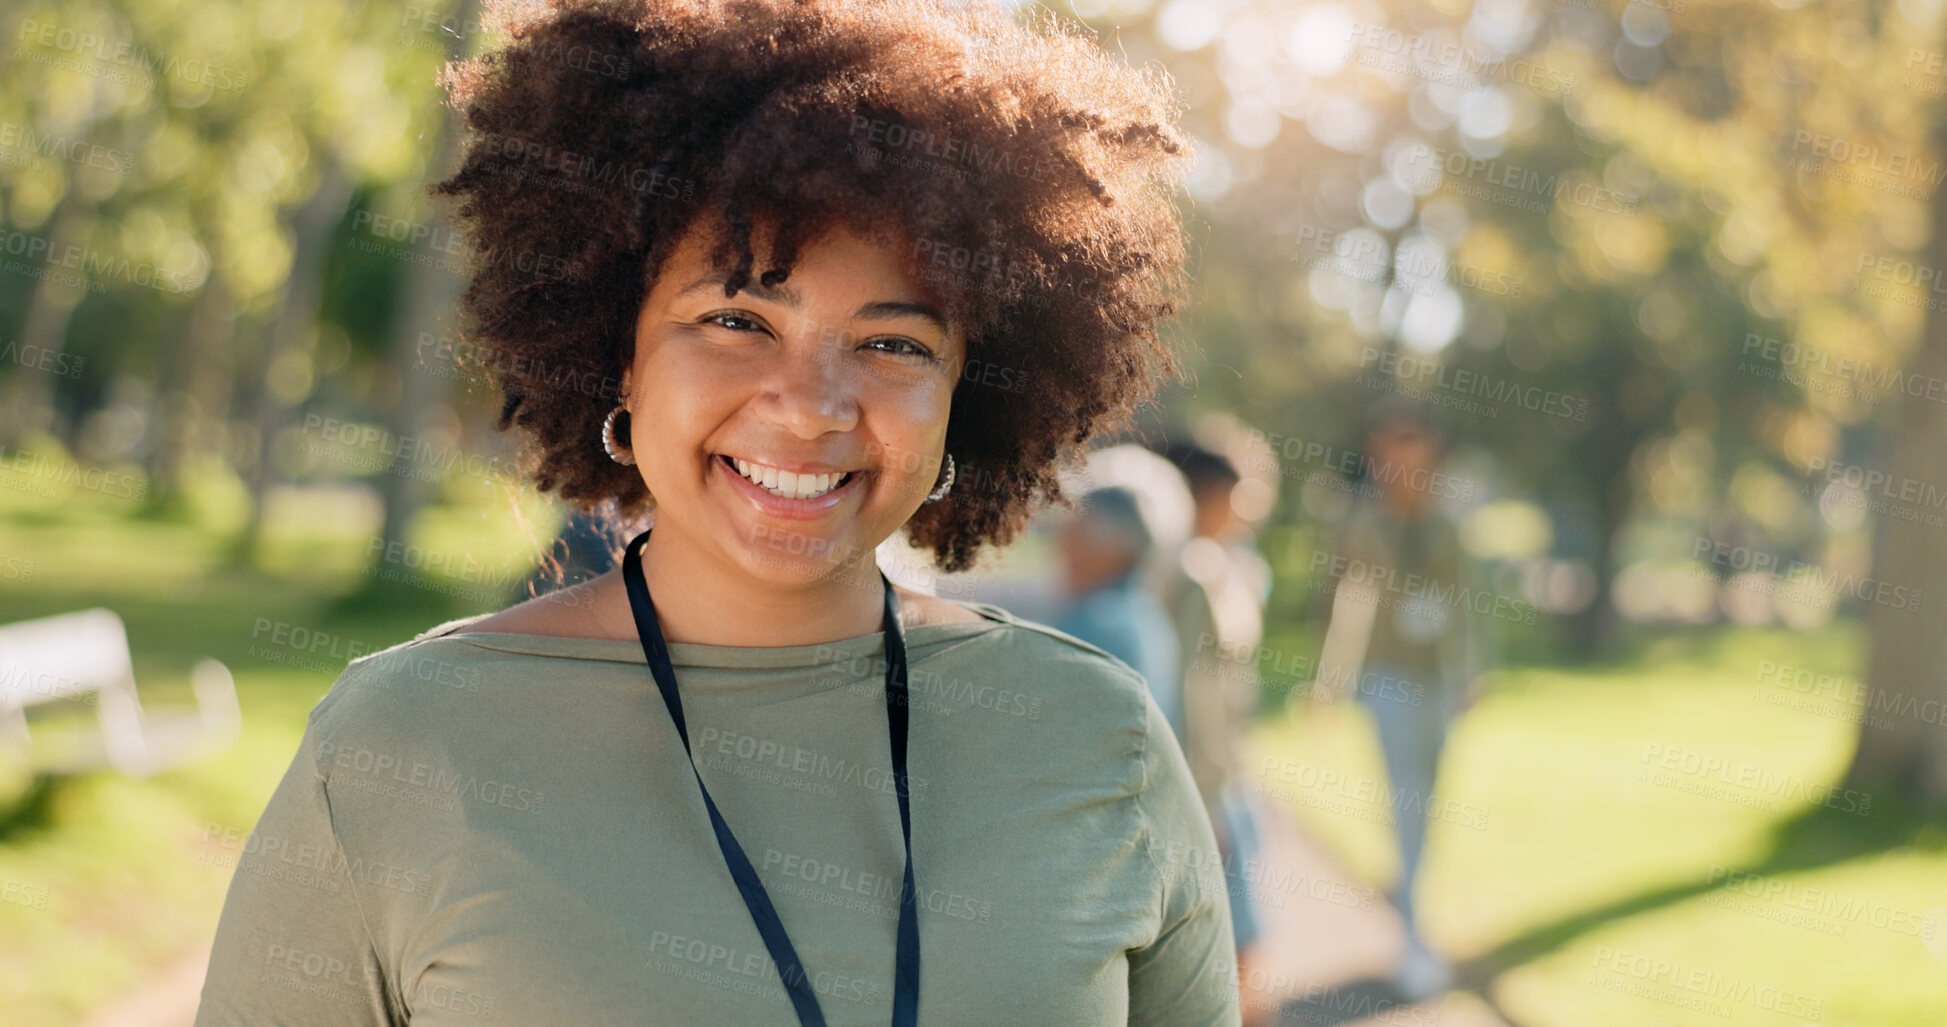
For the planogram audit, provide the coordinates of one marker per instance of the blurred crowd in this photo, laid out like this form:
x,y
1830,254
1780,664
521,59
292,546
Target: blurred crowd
x,y
1159,567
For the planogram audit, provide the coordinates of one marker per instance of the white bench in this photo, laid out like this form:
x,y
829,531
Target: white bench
x,y
84,656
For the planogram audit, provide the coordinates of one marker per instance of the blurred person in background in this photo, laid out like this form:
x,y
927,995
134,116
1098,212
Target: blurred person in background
x,y
584,547
1216,597
1103,550
1405,654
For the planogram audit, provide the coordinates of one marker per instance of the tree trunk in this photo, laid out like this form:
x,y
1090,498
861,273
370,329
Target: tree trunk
x,y
429,293
27,408
297,315
1604,452
198,376
1903,735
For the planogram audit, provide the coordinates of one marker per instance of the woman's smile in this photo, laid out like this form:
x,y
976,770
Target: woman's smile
x,y
811,492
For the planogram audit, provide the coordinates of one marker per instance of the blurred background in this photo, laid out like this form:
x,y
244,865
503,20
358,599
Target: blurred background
x,y
1574,376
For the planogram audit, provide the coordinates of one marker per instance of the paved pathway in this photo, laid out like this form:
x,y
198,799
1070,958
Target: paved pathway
x,y
167,1000
1330,942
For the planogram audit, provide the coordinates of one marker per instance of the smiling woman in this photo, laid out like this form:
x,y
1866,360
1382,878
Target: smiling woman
x,y
858,267
812,413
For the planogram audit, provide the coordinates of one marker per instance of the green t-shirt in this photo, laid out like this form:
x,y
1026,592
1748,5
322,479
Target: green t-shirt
x,y
502,828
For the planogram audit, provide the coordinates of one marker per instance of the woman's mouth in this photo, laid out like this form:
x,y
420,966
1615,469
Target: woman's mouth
x,y
786,484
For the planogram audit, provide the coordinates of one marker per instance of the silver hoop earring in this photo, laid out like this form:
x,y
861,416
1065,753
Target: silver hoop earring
x,y
608,438
946,483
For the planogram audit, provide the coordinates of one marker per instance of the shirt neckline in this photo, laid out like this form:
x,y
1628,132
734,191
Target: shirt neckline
x,y
701,654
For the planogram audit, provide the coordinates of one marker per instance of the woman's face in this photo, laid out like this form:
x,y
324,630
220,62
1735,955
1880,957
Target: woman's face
x,y
830,391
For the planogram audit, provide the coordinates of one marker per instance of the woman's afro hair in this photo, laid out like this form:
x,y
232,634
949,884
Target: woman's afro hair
x,y
1035,176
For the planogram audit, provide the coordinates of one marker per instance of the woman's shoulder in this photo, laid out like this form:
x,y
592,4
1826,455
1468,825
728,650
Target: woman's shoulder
x,y
432,677
1063,670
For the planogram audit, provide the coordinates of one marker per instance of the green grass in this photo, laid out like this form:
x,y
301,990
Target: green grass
x,y
106,879
1577,887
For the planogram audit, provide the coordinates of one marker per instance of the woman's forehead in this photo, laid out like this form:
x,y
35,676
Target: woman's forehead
x,y
882,251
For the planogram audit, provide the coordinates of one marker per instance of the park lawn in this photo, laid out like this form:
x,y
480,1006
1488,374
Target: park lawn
x,y
1592,879
104,879
126,875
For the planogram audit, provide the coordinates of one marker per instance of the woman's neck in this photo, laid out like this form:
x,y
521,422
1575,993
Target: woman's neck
x,y
701,598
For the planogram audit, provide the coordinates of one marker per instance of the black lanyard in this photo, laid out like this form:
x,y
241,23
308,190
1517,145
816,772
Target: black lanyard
x,y
905,996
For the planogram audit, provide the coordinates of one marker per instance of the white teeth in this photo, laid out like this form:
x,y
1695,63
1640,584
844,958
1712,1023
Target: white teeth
x,y
787,484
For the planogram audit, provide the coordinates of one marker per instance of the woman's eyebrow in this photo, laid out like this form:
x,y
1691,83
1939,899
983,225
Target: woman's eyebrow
x,y
878,310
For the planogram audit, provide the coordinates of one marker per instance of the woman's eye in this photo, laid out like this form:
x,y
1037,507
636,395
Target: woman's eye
x,y
900,345
741,323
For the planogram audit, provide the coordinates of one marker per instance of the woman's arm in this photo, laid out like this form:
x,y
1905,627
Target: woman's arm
x,y
292,945
1187,976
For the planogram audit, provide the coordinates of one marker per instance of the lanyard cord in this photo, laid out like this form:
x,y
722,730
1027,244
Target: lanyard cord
x,y
905,999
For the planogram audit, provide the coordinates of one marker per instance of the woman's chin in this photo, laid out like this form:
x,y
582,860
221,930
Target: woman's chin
x,y
788,558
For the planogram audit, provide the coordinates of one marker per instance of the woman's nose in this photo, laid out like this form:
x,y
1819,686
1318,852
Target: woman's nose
x,y
810,392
